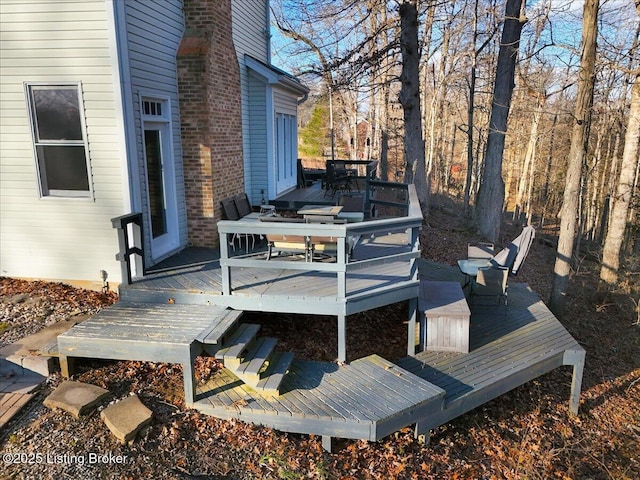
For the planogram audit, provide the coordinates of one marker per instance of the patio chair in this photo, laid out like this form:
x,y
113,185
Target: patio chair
x,y
242,204
511,257
230,212
335,181
514,254
490,282
479,250
352,208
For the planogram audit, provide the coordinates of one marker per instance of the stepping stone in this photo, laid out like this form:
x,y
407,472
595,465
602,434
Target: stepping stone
x,y
126,417
77,398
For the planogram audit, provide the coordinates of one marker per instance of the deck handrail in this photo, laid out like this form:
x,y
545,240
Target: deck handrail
x,y
122,223
410,224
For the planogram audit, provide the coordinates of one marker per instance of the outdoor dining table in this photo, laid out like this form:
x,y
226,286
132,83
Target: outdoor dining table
x,y
323,210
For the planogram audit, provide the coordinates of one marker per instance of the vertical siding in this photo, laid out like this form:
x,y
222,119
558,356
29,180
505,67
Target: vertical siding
x,y
57,238
250,36
154,32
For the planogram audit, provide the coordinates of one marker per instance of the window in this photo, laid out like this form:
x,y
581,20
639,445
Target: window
x,y
59,140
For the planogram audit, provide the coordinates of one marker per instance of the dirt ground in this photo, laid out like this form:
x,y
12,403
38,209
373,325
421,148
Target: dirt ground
x,y
527,433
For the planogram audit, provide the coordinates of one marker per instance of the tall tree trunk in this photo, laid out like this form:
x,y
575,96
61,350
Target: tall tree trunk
x,y
579,138
488,214
410,100
630,159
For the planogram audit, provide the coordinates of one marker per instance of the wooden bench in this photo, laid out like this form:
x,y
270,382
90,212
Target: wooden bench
x,y
445,314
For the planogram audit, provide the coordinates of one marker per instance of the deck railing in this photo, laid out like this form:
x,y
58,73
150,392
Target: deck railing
x,y
130,243
409,224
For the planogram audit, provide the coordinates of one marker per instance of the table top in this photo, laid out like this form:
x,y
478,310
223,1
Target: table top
x,y
470,267
320,210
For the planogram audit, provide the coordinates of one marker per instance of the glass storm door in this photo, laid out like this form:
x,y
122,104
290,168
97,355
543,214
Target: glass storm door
x,y
286,152
162,207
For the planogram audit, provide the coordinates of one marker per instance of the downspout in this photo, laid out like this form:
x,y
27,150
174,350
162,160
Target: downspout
x,y
123,101
124,107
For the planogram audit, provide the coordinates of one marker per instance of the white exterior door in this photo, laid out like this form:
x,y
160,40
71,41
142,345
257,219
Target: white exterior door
x,y
286,152
162,208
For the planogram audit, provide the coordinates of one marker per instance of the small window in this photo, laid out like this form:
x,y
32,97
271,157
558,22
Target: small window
x,y
59,140
152,108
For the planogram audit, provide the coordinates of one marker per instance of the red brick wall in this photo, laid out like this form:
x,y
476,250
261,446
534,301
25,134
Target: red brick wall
x,y
210,114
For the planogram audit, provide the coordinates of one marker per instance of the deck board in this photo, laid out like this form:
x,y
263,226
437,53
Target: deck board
x,y
326,399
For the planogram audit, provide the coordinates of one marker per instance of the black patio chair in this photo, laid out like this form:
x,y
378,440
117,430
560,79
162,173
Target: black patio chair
x,y
230,212
335,180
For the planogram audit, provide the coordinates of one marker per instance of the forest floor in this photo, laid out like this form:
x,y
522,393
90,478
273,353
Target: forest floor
x,y
527,433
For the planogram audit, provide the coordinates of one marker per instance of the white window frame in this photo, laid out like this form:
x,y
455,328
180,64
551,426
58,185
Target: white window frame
x,y
43,188
285,151
169,241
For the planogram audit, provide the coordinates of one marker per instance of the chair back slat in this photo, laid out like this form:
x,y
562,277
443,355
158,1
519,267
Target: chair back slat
x,y
229,209
242,204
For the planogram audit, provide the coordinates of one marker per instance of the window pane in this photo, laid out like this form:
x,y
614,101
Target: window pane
x,y
157,206
57,113
63,168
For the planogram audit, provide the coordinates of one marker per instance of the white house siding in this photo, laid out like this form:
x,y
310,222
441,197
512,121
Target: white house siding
x,y
154,32
250,36
57,238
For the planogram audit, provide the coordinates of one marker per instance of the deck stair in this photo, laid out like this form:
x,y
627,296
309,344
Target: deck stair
x,y
252,359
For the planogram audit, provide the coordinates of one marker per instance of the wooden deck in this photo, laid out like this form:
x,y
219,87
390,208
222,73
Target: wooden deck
x,y
191,303
368,398
194,277
507,350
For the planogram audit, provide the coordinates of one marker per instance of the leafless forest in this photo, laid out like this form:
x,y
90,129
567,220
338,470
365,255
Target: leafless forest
x,y
530,108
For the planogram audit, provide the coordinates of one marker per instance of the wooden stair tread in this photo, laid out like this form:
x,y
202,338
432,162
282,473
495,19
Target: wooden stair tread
x,y
238,342
215,332
274,374
256,357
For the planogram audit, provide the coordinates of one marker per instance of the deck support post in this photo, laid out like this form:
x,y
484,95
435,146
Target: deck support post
x,y
189,373
411,331
422,434
342,338
327,442
67,365
575,358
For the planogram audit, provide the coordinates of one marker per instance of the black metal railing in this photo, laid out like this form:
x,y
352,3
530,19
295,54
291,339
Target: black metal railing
x,y
130,242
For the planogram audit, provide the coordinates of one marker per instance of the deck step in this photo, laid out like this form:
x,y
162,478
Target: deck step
x,y
239,341
257,355
219,328
272,377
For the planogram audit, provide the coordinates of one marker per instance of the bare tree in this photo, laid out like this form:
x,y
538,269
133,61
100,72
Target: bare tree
x,y
579,136
622,200
488,214
410,100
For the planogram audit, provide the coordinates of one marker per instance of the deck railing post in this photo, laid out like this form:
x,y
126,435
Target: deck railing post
x,y
225,269
122,223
